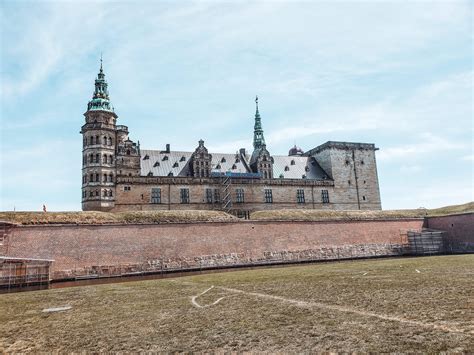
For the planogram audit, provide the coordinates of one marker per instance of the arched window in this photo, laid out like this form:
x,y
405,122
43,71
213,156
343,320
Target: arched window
x,y
111,178
91,179
105,193
104,159
97,192
91,140
128,151
97,140
110,141
105,140
97,177
111,159
97,157
105,177
91,193
110,193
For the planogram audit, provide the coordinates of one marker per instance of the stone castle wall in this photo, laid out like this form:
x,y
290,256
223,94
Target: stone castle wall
x,y
106,250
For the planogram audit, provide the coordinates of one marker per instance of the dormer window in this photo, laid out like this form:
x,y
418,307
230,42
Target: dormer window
x,y
287,168
175,165
146,157
292,162
182,158
223,160
234,167
170,173
218,166
237,160
150,173
156,164
306,168
165,158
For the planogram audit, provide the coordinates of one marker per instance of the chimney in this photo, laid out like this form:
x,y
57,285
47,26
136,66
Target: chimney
x,y
167,148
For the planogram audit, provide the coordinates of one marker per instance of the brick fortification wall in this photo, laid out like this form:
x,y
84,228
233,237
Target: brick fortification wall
x,y
459,230
121,249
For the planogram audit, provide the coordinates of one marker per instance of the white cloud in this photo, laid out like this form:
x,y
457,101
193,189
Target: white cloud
x,y
424,144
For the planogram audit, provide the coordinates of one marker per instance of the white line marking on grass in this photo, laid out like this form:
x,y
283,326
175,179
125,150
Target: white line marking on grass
x,y
57,309
193,299
305,304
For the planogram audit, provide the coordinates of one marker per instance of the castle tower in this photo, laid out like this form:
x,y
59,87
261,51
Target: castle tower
x,y
98,153
261,160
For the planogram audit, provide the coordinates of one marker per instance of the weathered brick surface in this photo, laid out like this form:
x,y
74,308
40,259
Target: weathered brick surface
x,y
118,249
459,230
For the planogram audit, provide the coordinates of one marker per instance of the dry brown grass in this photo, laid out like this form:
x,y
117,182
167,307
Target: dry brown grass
x,y
320,215
355,306
27,218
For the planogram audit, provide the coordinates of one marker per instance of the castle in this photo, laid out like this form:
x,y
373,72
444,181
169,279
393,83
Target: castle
x,y
117,175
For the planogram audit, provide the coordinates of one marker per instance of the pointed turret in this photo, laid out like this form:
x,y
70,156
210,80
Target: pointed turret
x,y
258,139
100,98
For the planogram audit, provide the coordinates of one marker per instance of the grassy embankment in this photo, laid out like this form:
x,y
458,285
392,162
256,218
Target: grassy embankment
x,y
316,215
392,305
190,216
92,217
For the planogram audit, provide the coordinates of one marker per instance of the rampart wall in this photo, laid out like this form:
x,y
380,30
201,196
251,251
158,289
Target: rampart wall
x,y
107,250
459,230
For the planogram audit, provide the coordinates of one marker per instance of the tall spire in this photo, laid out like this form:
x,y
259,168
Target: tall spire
x,y
100,98
258,139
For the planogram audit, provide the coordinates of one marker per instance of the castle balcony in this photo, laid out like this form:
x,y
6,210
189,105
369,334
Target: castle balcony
x,y
121,128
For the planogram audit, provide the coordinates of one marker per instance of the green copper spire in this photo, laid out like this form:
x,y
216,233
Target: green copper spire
x,y
258,140
100,99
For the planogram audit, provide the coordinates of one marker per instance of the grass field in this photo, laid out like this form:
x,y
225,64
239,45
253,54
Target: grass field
x,y
385,305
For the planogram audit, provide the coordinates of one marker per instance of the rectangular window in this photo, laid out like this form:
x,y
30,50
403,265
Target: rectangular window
x,y
300,196
268,196
156,195
126,188
239,195
184,193
217,196
325,196
209,195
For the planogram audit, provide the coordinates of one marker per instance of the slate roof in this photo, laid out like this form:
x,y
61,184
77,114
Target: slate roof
x,y
161,163
177,163
307,166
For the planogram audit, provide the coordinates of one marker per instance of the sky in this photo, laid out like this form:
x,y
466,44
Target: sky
x,y
395,73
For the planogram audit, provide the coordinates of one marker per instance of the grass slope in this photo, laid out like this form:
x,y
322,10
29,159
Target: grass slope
x,y
320,215
392,305
118,217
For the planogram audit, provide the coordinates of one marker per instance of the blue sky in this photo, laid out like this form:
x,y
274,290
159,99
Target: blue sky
x,y
397,74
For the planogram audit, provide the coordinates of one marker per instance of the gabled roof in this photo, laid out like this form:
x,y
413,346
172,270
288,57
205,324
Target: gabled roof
x,y
162,163
173,162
